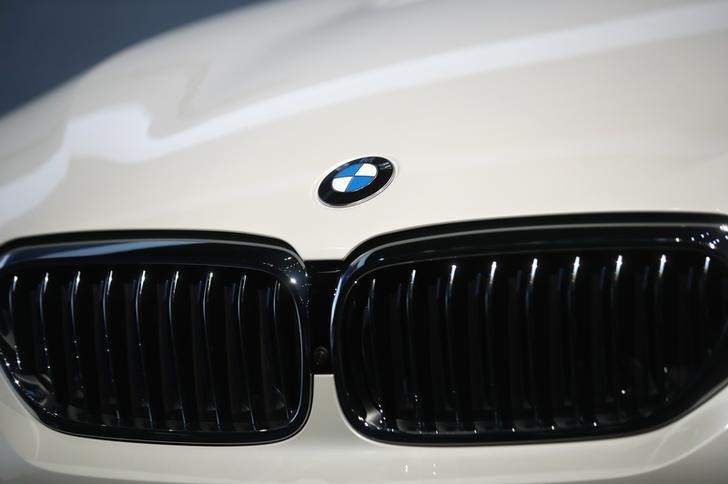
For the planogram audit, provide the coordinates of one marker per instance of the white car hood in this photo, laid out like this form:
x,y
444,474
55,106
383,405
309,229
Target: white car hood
x,y
488,110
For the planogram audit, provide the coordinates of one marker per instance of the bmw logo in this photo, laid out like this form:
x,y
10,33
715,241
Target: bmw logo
x,y
356,181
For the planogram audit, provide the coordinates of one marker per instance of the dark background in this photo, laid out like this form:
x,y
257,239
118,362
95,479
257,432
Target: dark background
x,y
45,42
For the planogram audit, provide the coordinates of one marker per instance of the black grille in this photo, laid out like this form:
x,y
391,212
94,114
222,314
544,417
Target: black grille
x,y
177,340
542,333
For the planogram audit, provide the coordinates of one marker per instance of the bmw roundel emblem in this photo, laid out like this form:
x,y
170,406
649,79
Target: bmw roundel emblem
x,y
356,181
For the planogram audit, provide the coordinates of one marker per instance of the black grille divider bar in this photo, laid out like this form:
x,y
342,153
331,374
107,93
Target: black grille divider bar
x,y
568,310
92,326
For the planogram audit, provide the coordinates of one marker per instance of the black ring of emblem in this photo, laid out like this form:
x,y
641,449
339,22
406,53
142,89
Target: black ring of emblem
x,y
332,198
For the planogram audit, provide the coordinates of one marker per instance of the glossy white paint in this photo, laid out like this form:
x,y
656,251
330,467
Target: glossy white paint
x,y
490,109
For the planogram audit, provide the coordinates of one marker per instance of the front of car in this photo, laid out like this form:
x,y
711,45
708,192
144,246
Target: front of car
x,y
375,241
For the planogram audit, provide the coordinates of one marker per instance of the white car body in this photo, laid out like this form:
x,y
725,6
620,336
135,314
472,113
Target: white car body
x,y
488,109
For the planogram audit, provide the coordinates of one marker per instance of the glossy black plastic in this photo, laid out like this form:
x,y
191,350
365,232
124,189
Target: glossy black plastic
x,y
323,277
158,336
527,330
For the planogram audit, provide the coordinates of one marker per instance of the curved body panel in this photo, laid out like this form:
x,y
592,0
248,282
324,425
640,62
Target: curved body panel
x,y
487,110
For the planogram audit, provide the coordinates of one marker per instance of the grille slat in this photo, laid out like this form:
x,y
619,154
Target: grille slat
x,y
246,401
206,348
494,384
573,345
371,360
74,375
171,379
515,354
39,324
556,359
530,320
659,328
9,331
172,340
476,366
280,357
597,342
617,382
207,413
104,362
440,386
530,340
704,315
142,409
273,403
237,396
399,393
411,351
451,349
640,380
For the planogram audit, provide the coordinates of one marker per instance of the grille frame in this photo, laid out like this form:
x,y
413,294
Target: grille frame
x,y
646,230
257,254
